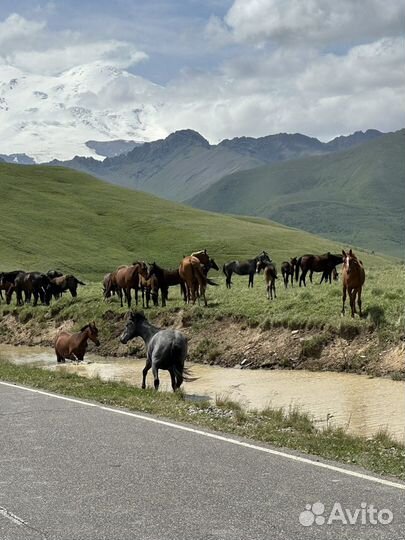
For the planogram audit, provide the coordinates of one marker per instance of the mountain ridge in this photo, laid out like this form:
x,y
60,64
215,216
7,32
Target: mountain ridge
x,y
354,195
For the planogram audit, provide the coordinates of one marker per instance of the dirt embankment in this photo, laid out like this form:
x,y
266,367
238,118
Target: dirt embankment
x,y
228,343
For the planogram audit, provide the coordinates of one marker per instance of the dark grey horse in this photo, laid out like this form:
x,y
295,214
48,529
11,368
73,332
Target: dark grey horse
x,y
244,268
165,349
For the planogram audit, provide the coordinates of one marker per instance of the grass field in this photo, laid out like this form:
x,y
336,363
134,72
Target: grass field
x,y
60,218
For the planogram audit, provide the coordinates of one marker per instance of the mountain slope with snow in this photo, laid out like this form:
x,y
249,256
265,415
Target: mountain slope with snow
x,y
52,116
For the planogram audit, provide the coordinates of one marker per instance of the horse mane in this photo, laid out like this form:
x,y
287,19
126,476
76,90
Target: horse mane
x,y
84,328
196,253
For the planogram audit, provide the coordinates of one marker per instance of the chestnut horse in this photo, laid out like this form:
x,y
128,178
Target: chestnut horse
x,y
192,271
74,346
353,277
126,278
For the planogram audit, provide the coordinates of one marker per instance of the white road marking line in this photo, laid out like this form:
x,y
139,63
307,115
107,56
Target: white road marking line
x,y
229,440
12,517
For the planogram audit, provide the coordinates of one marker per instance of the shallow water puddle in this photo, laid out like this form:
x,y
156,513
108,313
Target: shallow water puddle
x,y
356,402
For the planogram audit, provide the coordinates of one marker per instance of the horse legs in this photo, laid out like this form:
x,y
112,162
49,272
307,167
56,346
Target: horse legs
x,y
59,358
310,275
251,277
352,296
302,277
344,299
145,372
136,295
228,279
119,292
128,296
173,378
359,301
155,372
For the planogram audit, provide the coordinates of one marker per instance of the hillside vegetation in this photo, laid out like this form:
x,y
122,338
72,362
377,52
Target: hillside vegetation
x,y
185,164
59,218
356,196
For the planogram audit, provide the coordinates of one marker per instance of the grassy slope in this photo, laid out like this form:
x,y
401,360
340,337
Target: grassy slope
x,y
59,218
355,196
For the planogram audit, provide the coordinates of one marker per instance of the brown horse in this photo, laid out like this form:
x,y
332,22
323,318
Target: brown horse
x,y
74,346
127,277
191,272
270,276
315,263
353,277
149,289
287,271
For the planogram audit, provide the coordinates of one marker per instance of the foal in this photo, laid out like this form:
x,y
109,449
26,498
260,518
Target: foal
x,y
74,346
270,276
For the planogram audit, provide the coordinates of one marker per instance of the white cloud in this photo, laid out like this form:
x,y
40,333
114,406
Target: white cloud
x,y
31,46
323,22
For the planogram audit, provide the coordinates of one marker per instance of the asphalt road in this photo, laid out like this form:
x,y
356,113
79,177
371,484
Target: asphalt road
x,y
74,471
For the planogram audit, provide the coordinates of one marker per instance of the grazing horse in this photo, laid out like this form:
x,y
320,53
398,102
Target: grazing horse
x,y
74,346
315,263
61,284
270,276
353,277
244,268
54,273
287,271
7,284
32,284
165,279
127,278
165,349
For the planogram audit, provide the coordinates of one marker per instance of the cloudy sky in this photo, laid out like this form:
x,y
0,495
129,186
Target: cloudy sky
x,y
228,67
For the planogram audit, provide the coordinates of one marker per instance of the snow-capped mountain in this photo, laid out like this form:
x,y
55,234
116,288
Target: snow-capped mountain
x,y
53,116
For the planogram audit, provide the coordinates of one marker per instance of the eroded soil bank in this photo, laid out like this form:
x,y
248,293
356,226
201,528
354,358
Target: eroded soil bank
x,y
230,343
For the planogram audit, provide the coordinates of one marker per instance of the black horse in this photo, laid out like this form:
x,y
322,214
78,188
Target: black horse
x,y
316,263
7,280
32,284
245,268
165,279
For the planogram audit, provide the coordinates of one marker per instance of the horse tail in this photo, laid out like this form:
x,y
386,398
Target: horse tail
x,y
211,282
80,282
297,268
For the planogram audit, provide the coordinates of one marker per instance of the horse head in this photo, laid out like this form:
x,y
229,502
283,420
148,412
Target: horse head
x,y
132,328
92,332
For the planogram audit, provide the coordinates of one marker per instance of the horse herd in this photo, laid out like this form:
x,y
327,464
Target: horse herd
x,y
191,276
36,286
167,348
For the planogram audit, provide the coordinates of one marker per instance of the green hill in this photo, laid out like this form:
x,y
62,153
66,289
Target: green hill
x,y
60,218
356,196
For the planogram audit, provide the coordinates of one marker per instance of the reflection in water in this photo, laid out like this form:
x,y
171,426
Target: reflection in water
x,y
358,403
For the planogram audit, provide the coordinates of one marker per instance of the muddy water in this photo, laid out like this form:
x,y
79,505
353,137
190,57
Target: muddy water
x,y
358,403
